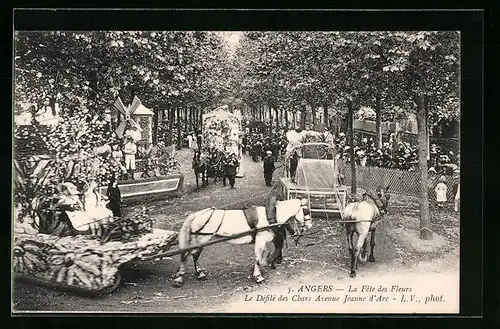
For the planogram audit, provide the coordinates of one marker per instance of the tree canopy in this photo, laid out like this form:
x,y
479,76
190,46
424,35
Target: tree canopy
x,y
291,69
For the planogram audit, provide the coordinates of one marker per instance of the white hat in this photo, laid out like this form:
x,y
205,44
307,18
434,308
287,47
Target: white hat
x,y
71,188
269,152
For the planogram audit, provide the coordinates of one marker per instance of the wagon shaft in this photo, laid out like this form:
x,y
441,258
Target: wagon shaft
x,y
219,240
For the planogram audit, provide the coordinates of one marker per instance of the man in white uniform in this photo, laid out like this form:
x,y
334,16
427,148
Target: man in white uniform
x,y
130,150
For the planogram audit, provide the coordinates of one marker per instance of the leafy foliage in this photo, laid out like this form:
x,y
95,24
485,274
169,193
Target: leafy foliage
x,y
291,69
84,72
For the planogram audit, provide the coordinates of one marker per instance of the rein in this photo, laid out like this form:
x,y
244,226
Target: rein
x,y
297,228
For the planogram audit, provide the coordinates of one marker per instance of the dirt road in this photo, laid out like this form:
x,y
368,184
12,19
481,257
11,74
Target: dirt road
x,y
319,258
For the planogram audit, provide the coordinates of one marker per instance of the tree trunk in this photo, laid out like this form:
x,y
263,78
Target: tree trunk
x,y
378,122
325,115
313,114
186,121
277,119
350,120
427,128
286,119
191,118
200,120
171,118
179,135
304,117
425,232
397,137
270,115
195,118
294,119
155,126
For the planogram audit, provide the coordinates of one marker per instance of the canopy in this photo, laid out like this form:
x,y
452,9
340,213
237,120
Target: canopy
x,y
317,168
316,174
220,112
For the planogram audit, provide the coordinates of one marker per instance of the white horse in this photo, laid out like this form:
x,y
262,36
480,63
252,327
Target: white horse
x,y
210,223
364,217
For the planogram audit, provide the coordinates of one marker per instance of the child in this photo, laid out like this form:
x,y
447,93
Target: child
x,y
457,198
441,190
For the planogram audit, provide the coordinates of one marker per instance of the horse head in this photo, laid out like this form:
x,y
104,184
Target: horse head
x,y
198,159
196,156
383,196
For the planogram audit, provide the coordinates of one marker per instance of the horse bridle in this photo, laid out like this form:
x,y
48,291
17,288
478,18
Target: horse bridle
x,y
300,228
383,209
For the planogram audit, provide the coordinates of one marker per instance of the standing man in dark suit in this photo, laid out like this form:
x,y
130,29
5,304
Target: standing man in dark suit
x,y
230,168
269,168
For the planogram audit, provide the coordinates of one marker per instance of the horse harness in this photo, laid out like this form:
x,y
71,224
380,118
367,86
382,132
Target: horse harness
x,y
252,219
198,232
375,221
251,216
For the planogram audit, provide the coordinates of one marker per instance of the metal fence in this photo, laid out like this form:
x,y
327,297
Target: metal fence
x,y
400,181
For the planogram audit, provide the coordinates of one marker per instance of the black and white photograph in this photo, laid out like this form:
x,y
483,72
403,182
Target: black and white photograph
x,y
175,171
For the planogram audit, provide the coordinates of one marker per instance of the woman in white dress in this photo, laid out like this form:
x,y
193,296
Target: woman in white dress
x,y
95,211
95,207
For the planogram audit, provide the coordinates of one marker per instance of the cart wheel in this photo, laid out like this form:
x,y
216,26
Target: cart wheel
x,y
114,286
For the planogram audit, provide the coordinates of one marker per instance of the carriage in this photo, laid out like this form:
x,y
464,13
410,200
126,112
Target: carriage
x,y
90,262
316,175
221,131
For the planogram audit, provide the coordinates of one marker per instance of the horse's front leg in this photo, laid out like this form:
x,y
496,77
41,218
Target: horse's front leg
x,y
372,246
350,246
279,237
179,276
200,275
260,245
204,181
197,183
357,252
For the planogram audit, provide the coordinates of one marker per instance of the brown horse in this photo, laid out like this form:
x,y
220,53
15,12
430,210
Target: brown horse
x,y
364,217
200,167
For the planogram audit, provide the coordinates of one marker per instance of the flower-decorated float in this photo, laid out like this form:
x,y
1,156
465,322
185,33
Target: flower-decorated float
x,y
222,131
147,169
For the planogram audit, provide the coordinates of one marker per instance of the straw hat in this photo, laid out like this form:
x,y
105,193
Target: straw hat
x,y
269,152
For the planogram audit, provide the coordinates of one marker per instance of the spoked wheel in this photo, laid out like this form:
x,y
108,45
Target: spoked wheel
x,y
114,286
